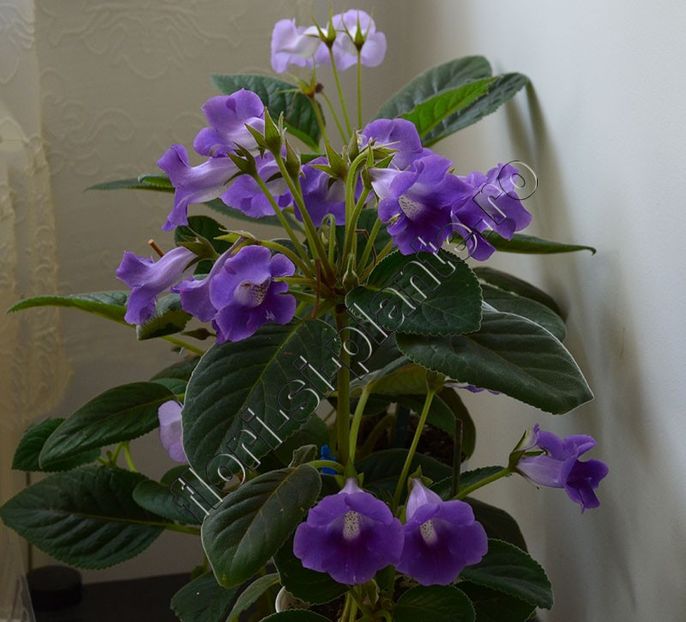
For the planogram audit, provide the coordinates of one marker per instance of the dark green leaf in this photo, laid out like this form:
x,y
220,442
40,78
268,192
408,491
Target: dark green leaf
x,y
510,570
409,379
249,596
119,414
31,444
305,584
493,606
168,319
454,401
111,305
235,383
159,183
510,283
86,517
159,499
204,229
203,600
245,530
438,603
180,370
304,454
296,615
507,302
423,294
509,354
497,523
531,245
278,96
439,78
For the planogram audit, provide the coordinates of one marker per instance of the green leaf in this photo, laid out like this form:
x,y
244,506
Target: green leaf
x,y
432,81
31,444
438,603
295,615
85,517
307,585
278,96
203,600
169,318
235,383
119,414
423,294
455,403
249,596
510,570
509,354
510,283
507,302
531,245
203,229
410,379
159,499
181,370
110,305
493,606
250,524
497,523
159,183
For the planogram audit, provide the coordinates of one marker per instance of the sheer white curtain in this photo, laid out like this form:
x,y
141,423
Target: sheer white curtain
x,y
33,368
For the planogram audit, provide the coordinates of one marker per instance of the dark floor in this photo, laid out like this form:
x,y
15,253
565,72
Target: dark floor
x,y
136,600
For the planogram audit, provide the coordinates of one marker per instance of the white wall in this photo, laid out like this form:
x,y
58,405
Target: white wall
x,y
602,126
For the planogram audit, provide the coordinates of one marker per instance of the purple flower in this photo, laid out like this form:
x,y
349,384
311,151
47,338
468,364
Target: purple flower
x,y
193,184
356,25
240,294
171,433
294,45
322,194
416,203
559,466
245,195
148,279
441,538
489,202
228,115
398,134
350,536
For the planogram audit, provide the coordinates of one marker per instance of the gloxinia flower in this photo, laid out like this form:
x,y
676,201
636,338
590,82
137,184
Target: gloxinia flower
x,y
193,184
148,279
246,196
239,294
489,202
322,194
228,115
356,25
350,536
416,203
441,538
171,432
294,45
559,466
398,134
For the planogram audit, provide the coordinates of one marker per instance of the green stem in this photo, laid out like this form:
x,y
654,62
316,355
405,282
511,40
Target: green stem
x,y
357,420
356,215
343,394
320,119
359,89
402,480
369,246
183,344
129,458
326,464
350,206
339,89
194,531
467,490
376,432
334,114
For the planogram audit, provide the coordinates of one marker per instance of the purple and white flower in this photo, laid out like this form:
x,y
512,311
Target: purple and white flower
x,y
356,27
171,431
295,45
441,538
322,194
559,466
148,278
350,536
240,294
398,134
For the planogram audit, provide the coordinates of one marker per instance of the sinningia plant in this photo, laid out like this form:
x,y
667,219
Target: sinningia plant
x,y
315,409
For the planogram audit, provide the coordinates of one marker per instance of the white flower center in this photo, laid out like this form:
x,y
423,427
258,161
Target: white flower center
x,y
411,208
428,532
351,525
251,294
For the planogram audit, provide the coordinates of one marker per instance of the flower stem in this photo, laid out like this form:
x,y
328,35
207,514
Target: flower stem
x,y
129,458
183,344
357,420
320,119
339,88
334,114
359,89
343,394
351,208
326,464
402,480
369,246
467,490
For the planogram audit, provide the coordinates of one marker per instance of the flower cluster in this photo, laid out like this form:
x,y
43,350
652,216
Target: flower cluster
x,y
352,535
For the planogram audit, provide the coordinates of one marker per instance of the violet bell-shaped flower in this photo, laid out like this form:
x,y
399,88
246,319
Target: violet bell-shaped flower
x,y
356,30
148,278
441,538
171,432
240,294
322,194
559,466
398,134
295,45
350,536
